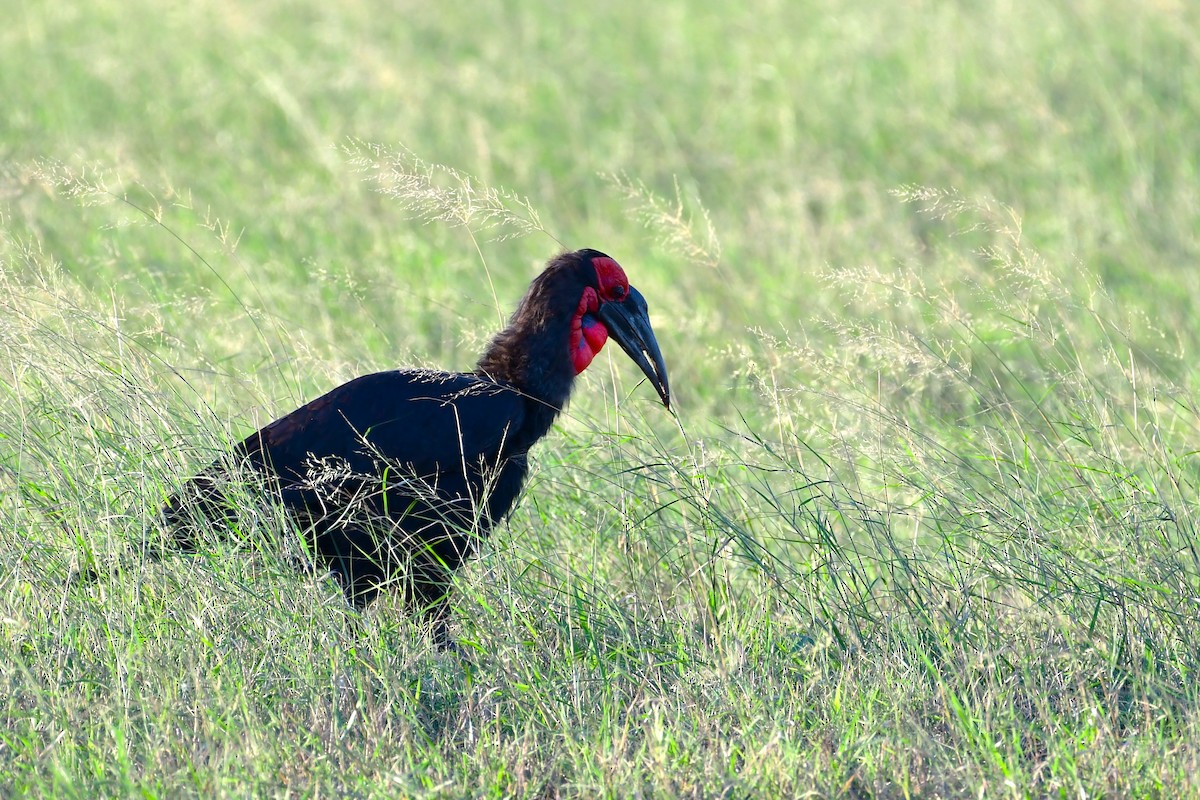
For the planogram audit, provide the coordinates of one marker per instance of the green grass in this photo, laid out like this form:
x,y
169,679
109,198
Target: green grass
x,y
925,524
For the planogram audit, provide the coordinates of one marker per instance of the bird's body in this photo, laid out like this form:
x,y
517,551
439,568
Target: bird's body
x,y
395,475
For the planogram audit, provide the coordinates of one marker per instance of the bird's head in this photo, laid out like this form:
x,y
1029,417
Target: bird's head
x,y
609,306
572,308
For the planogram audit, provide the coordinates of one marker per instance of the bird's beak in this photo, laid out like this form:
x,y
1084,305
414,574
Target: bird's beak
x,y
628,321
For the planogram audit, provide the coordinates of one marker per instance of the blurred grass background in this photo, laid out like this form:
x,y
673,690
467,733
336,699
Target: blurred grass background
x,y
924,275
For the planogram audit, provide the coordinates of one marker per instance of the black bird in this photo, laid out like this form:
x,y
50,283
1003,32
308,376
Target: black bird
x,y
394,476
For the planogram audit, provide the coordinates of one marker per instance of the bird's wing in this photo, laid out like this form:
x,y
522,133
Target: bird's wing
x,y
430,421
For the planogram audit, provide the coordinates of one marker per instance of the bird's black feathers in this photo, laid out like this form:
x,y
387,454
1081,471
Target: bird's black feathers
x,y
393,477
434,421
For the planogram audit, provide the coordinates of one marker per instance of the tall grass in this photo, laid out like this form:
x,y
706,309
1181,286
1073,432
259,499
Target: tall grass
x,y
922,526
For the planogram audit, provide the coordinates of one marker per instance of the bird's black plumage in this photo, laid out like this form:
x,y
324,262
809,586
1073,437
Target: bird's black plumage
x,y
394,476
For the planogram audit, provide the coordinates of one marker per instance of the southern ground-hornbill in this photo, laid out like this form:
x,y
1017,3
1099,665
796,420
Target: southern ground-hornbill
x,y
394,476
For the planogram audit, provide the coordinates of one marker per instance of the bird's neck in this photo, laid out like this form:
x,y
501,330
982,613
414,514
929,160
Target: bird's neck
x,y
533,357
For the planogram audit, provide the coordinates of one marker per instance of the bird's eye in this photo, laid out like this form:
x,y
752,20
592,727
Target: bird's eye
x,y
618,291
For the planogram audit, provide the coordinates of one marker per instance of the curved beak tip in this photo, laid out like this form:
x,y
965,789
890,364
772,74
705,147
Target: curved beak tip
x,y
628,322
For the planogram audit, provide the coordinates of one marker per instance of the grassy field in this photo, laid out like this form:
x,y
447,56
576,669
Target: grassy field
x,y
924,523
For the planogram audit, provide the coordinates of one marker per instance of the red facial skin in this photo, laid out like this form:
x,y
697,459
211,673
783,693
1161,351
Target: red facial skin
x,y
588,334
